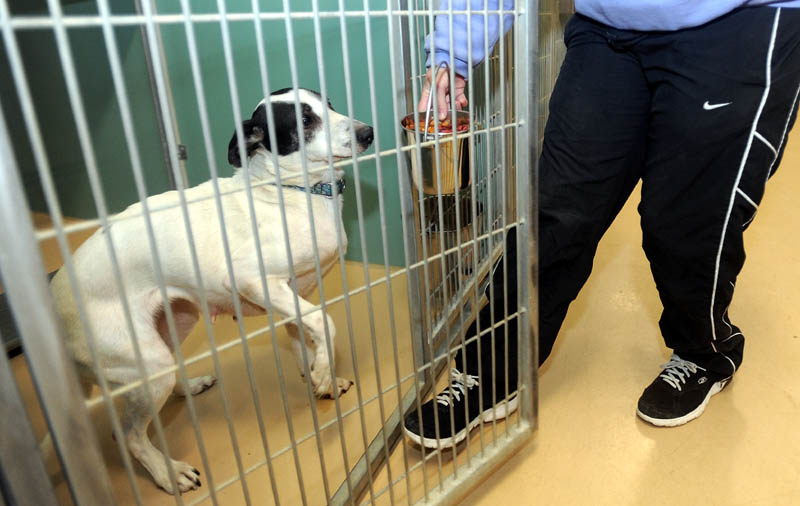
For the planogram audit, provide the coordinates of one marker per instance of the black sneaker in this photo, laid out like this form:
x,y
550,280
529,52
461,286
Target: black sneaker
x,y
680,394
462,386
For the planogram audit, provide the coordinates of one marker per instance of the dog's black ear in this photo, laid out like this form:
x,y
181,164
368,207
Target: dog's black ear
x,y
254,130
253,135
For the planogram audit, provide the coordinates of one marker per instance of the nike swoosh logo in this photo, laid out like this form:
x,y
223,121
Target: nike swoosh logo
x,y
711,107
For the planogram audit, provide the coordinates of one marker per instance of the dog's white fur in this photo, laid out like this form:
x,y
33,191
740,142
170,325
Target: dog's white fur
x,y
113,343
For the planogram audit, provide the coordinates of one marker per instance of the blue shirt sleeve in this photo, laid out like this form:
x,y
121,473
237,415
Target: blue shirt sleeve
x,y
476,31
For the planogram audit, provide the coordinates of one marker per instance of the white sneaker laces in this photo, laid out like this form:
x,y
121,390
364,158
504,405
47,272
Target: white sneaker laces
x,y
459,384
677,371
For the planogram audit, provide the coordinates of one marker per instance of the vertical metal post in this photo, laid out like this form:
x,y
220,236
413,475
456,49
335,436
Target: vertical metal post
x,y
403,49
160,118
51,368
527,58
23,477
404,100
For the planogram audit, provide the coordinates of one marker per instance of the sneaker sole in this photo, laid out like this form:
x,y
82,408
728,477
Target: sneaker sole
x,y
489,415
688,417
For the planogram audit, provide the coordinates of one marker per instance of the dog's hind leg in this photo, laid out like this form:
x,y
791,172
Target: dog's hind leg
x,y
138,413
196,385
135,421
300,348
185,316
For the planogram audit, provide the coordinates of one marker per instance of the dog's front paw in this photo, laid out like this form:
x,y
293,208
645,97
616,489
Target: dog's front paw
x,y
343,385
324,387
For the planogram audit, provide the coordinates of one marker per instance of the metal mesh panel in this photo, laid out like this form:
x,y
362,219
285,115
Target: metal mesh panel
x,y
140,94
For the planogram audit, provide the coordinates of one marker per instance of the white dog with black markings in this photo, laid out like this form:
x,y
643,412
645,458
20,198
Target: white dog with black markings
x,y
113,340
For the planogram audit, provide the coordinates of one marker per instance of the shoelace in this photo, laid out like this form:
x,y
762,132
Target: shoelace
x,y
677,371
459,384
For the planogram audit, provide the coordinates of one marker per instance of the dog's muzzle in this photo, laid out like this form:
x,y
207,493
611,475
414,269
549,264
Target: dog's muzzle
x,y
364,136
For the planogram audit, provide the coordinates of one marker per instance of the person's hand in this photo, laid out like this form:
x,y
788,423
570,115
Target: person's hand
x,y
443,92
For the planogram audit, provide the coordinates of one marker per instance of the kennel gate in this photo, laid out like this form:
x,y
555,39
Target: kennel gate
x,y
450,242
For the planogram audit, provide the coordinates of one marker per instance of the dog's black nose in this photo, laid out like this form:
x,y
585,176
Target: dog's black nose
x,y
364,136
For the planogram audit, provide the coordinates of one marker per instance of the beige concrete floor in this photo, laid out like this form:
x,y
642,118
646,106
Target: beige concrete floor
x,y
589,449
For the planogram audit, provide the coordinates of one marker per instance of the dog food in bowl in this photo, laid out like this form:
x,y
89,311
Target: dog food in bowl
x,y
445,126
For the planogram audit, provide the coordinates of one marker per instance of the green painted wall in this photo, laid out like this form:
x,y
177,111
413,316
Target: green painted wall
x,y
68,167
54,114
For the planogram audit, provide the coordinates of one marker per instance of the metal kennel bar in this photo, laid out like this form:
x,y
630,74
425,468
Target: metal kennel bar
x,y
52,370
22,476
278,449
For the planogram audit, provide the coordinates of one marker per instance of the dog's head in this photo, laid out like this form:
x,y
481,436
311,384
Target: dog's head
x,y
286,132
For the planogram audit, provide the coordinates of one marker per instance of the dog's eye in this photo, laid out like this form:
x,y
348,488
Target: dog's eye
x,y
306,120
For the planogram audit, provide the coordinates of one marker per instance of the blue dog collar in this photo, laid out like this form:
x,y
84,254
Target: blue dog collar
x,y
320,188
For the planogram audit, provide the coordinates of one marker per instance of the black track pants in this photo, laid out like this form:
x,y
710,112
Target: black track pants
x,y
701,117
